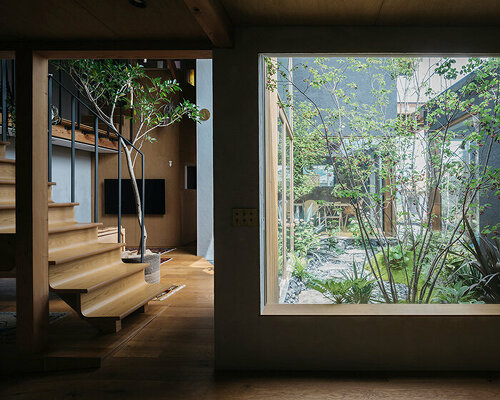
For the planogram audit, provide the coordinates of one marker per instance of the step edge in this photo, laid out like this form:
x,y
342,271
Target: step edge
x,y
12,206
161,287
73,227
90,289
13,182
100,250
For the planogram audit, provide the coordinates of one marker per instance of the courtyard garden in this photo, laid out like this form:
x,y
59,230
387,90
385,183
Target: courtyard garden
x,y
391,192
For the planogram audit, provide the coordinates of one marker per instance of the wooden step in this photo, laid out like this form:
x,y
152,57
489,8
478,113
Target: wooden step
x,y
91,280
8,190
65,236
82,251
83,261
127,302
59,213
7,168
62,213
3,148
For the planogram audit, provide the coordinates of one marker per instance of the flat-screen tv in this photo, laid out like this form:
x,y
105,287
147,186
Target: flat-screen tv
x,y
155,196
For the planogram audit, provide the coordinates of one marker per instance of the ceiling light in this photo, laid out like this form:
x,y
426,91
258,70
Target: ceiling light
x,y
138,3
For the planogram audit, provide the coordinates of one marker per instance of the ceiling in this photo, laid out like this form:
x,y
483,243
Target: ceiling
x,y
182,21
363,12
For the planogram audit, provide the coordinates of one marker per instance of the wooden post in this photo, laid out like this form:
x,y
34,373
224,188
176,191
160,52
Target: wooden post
x,y
31,201
283,202
292,197
271,186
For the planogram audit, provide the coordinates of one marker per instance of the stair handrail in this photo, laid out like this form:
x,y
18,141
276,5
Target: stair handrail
x,y
97,118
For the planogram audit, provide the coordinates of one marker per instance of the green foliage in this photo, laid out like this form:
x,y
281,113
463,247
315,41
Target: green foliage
x,y
308,148
299,267
305,237
457,294
414,155
305,233
353,288
484,273
361,285
106,84
335,290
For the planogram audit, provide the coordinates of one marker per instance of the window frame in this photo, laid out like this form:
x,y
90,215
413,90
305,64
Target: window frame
x,y
269,294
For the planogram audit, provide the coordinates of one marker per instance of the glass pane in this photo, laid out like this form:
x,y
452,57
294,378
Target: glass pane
x,y
394,178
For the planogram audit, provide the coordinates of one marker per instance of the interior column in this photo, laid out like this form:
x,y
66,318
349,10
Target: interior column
x,y
32,285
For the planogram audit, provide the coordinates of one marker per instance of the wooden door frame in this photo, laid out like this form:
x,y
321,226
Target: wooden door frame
x,y
32,288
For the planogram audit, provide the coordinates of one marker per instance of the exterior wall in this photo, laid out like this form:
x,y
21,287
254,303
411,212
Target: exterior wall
x,y
491,215
61,175
246,339
204,151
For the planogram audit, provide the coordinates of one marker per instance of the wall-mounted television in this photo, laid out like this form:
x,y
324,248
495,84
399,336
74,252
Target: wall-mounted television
x,y
155,196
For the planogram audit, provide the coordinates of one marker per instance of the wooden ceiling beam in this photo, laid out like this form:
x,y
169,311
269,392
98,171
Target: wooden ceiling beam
x,y
214,21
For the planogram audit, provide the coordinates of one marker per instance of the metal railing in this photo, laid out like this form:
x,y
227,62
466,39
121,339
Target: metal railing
x,y
76,104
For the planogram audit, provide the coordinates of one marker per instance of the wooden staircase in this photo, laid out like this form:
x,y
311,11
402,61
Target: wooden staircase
x,y
87,274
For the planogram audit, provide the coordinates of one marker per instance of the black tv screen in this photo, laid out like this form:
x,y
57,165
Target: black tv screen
x,y
155,196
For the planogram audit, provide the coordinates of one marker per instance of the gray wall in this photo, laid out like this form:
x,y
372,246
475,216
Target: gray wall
x,y
61,174
370,340
363,80
204,162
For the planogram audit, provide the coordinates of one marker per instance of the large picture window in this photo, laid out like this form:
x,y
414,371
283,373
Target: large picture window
x,y
378,173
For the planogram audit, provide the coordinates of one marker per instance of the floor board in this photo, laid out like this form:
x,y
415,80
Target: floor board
x,y
172,358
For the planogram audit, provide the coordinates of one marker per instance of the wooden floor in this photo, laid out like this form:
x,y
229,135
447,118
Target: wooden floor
x,y
172,358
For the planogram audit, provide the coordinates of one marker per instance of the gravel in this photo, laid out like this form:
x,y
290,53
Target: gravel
x,y
333,262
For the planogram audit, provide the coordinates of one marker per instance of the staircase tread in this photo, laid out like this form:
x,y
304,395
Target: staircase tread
x,y
58,227
64,204
81,251
65,227
128,302
92,280
7,160
11,206
13,182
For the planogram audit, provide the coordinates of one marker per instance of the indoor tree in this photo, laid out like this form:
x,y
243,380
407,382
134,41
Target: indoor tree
x,y
152,103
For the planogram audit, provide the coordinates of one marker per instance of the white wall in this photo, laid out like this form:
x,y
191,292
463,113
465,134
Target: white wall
x,y
204,170
61,174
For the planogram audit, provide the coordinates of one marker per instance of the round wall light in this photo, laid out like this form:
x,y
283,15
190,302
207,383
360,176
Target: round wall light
x,y
204,114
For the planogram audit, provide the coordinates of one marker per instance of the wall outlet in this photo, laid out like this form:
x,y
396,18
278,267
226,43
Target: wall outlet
x,y
245,217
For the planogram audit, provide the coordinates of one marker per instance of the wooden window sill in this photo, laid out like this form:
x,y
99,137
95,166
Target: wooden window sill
x,y
382,310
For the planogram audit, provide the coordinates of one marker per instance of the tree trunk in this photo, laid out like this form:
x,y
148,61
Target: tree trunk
x,y
137,197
